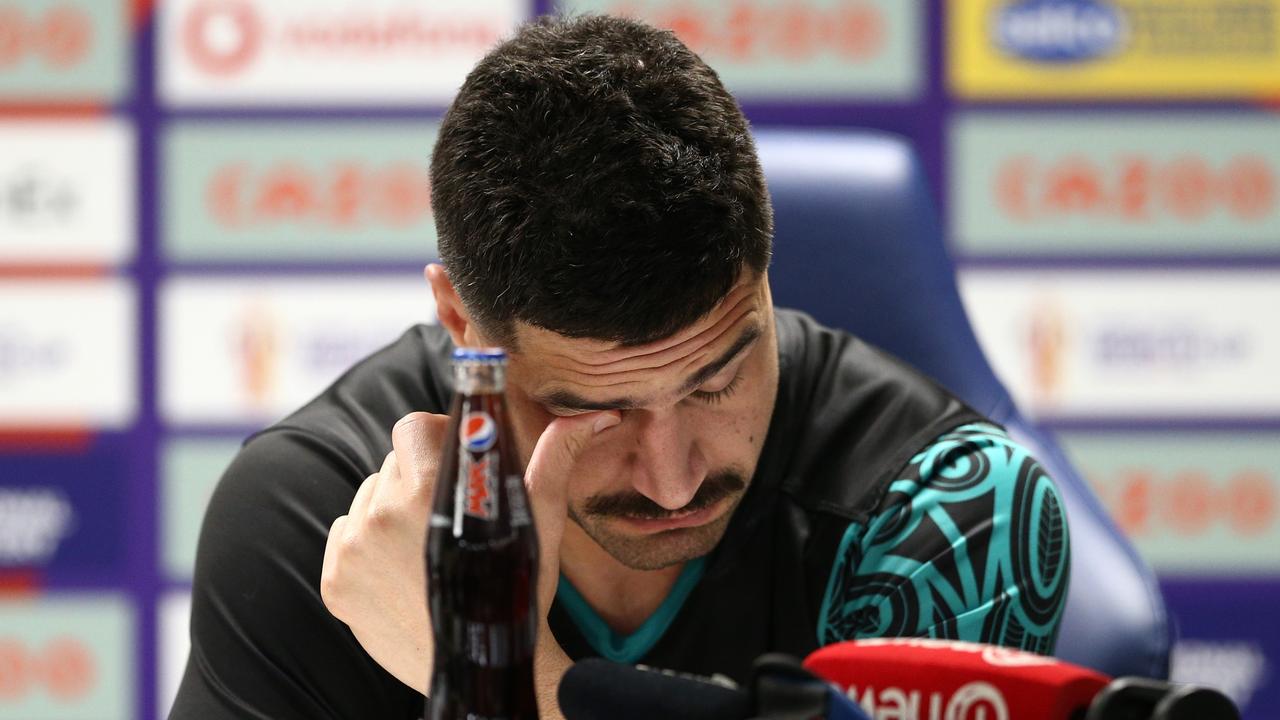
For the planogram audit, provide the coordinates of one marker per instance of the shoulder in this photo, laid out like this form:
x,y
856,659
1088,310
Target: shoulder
x,y
969,542
353,417
968,460
812,353
854,415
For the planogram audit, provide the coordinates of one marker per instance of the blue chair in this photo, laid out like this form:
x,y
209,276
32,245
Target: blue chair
x,y
859,246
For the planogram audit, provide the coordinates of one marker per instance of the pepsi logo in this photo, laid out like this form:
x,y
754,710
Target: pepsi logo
x,y
1060,31
478,431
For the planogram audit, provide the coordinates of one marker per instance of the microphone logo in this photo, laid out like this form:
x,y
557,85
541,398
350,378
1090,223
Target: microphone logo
x,y
1008,657
972,701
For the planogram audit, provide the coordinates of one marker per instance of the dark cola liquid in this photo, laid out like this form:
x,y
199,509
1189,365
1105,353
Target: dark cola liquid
x,y
482,570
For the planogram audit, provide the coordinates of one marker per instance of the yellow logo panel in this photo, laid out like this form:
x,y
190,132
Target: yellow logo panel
x,y
1009,49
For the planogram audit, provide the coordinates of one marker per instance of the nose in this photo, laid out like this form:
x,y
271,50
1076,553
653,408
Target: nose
x,y
667,464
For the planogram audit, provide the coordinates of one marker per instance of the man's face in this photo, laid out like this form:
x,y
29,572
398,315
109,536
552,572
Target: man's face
x,y
659,488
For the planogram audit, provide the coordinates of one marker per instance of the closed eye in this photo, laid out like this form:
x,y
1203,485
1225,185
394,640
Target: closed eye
x,y
717,396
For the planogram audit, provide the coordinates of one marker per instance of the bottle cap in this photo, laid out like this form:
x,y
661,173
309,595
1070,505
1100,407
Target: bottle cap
x,y
480,354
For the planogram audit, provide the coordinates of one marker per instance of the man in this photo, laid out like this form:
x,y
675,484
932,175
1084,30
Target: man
x,y
711,478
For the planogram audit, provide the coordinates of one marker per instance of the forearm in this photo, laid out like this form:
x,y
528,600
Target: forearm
x,y
550,665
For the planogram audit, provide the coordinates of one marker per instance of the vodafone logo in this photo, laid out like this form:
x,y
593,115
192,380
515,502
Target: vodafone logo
x,y
224,37
59,37
307,52
62,668
972,701
221,37
1135,188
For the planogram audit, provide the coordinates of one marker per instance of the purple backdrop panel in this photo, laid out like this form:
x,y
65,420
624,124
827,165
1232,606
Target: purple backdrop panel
x,y
1229,639
64,513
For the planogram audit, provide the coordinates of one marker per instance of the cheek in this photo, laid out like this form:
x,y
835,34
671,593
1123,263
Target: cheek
x,y
728,435
599,471
743,419
732,433
600,468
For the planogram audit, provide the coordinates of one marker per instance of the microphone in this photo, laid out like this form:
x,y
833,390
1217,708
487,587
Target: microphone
x,y
784,690
1134,698
780,689
595,688
925,678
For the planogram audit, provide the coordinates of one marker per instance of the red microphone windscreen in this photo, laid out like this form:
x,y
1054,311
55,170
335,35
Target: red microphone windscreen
x,y
911,678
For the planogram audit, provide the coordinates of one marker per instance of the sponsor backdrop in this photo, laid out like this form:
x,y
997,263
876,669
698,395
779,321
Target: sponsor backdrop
x,y
209,208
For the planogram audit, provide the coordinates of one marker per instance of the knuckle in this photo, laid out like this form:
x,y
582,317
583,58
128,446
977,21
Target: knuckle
x,y
388,464
411,418
332,591
414,422
352,541
426,427
383,516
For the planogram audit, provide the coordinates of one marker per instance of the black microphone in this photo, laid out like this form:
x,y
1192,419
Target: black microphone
x,y
596,689
1135,698
779,689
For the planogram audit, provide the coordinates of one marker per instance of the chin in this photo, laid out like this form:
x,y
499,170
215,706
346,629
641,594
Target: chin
x,y
661,550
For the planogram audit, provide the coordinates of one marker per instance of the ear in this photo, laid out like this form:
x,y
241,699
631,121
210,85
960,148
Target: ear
x,y
449,309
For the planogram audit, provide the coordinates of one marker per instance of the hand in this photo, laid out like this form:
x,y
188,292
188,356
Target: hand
x,y
374,576
547,481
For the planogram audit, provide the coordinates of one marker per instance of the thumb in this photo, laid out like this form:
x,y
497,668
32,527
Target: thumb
x,y
547,477
547,482
417,439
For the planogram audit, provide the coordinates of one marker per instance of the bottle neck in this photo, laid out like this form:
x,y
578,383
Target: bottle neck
x,y
475,378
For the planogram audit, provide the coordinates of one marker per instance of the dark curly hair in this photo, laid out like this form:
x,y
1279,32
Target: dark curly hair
x,y
593,177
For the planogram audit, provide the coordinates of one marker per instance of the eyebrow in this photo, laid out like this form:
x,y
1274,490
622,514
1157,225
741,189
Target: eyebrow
x,y
568,400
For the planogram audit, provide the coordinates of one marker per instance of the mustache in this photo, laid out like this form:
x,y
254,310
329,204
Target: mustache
x,y
632,504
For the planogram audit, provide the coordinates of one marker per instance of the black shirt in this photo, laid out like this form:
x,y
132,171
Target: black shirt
x,y
880,506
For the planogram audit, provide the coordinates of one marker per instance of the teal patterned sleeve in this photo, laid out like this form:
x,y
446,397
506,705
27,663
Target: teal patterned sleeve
x,y
969,543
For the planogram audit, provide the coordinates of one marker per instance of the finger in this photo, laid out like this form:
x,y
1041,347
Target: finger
x,y
417,439
335,534
547,482
387,488
329,568
360,503
547,477
557,451
388,464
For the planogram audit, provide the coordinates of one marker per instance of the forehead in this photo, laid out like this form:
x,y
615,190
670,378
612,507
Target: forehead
x,y
548,363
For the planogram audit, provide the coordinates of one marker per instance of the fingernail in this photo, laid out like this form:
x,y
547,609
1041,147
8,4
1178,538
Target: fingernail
x,y
606,421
